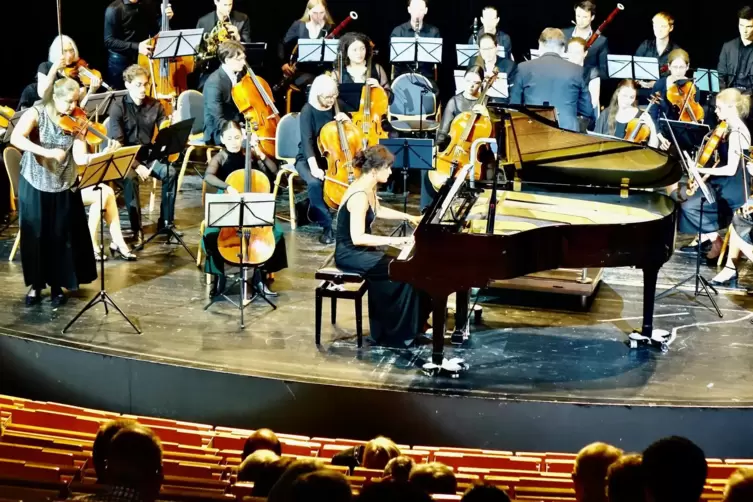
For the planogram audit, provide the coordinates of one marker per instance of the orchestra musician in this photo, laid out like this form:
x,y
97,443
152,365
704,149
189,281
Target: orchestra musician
x,y
129,24
488,58
459,103
56,249
728,180
679,64
219,106
230,159
315,114
623,108
576,53
736,59
552,79
397,311
236,23
489,26
316,22
585,13
133,121
416,27
63,54
356,49
661,46
90,196
740,242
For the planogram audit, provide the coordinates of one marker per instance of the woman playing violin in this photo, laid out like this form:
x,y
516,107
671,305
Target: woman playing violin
x,y
317,113
229,160
357,51
56,248
741,242
62,61
623,107
397,311
728,180
679,63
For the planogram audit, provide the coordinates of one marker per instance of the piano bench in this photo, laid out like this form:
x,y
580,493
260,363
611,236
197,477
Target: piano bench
x,y
335,285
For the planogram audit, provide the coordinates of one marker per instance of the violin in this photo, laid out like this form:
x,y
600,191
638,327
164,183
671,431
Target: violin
x,y
247,245
78,124
709,149
80,70
637,130
466,128
373,107
683,97
253,97
339,142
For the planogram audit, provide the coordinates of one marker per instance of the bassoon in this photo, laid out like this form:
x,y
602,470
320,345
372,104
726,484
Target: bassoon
x,y
603,25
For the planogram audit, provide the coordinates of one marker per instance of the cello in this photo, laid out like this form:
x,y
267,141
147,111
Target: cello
x,y
373,107
253,97
338,143
169,75
466,128
247,245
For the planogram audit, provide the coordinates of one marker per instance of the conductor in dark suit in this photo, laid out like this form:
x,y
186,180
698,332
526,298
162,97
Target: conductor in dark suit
x,y
238,28
585,12
219,106
551,79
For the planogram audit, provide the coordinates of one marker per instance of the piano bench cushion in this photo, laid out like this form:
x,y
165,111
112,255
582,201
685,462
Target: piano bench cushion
x,y
329,272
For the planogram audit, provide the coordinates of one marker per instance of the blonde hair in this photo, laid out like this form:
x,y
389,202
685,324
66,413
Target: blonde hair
x,y
313,3
739,486
733,96
679,53
62,87
321,84
667,17
56,48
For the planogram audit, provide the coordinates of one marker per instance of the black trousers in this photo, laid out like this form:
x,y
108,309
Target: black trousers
x,y
131,193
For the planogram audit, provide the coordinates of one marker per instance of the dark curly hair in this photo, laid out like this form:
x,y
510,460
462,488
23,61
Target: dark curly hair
x,y
373,158
347,40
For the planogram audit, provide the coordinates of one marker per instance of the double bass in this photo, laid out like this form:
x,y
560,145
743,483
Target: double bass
x,y
373,108
338,143
169,75
247,245
466,128
253,97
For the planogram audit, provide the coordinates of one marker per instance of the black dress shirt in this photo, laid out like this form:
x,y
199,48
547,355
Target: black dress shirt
x,y
128,24
648,50
503,40
455,106
426,31
133,125
312,121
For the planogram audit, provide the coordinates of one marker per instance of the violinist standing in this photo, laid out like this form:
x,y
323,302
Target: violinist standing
x,y
128,26
56,249
316,22
660,47
238,27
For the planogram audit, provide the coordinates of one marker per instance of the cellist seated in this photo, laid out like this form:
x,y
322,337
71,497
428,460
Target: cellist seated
x,y
230,159
219,107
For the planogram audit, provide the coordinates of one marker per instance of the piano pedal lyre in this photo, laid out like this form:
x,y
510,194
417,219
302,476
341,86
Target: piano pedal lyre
x,y
449,367
659,339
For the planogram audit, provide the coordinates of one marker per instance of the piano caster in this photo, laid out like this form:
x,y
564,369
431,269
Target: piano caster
x,y
660,339
450,367
460,336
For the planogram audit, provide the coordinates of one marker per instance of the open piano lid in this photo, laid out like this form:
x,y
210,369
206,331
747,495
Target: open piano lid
x,y
557,156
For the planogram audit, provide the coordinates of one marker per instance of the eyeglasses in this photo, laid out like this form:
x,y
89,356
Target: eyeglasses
x,y
679,67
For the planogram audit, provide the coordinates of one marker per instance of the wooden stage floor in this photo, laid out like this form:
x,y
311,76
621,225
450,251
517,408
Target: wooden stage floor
x,y
541,349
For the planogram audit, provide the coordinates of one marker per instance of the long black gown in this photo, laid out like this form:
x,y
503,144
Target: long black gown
x,y
397,311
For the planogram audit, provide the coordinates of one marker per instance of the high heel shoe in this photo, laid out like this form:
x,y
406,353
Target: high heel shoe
x,y
729,283
115,251
99,257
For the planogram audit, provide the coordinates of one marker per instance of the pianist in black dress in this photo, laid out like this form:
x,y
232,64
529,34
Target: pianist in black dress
x,y
458,104
728,181
397,311
623,108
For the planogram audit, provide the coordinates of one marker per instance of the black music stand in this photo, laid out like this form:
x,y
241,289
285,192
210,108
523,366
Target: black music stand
x,y
688,134
410,155
318,50
98,105
170,141
255,53
702,285
350,96
177,43
246,210
109,166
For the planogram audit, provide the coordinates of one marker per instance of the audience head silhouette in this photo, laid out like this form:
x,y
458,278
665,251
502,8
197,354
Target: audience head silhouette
x,y
263,468
485,493
675,470
739,486
325,485
399,468
433,478
135,462
590,471
394,491
625,480
378,452
262,439
282,491
101,446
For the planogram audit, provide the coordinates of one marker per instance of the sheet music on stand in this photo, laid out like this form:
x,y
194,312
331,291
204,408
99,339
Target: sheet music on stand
x,y
221,210
632,67
177,43
707,80
698,178
116,166
500,89
317,50
98,105
412,50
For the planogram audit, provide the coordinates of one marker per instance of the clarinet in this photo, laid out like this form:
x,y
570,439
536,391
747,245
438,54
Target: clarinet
x,y
475,30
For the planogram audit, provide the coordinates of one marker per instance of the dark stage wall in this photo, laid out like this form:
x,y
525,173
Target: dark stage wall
x,y
29,31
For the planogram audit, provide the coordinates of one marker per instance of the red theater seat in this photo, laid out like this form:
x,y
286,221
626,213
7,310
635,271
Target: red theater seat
x,y
56,420
457,460
166,422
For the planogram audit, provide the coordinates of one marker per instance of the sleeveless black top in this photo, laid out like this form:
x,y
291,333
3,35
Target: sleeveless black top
x,y
348,256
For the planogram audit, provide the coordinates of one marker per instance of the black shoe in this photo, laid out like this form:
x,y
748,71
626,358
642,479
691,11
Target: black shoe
x,y
58,299
693,248
218,286
263,289
327,237
138,238
732,282
116,252
35,298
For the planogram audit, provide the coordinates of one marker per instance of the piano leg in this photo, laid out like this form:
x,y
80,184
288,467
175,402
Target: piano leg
x,y
440,365
647,335
462,300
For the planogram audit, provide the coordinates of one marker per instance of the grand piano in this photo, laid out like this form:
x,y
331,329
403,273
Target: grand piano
x,y
563,200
